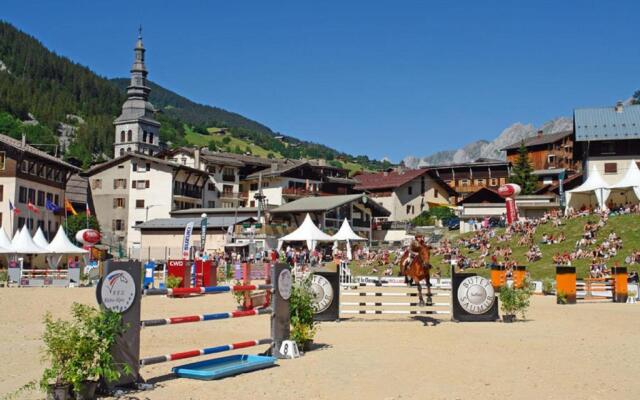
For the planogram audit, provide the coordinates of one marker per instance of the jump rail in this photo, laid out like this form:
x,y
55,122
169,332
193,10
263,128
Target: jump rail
x,y
204,317
399,304
391,294
412,312
205,290
200,352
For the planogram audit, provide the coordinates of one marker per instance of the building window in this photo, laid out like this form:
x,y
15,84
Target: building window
x,y
611,168
465,182
227,204
121,151
134,166
211,187
119,183
253,186
480,182
96,184
211,204
122,136
410,190
148,165
32,195
25,166
118,202
128,149
139,203
493,182
129,135
22,194
435,193
2,159
252,203
409,209
150,137
56,198
144,136
117,225
40,200
140,184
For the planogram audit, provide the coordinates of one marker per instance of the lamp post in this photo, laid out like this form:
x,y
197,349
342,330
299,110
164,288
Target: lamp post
x,y
146,215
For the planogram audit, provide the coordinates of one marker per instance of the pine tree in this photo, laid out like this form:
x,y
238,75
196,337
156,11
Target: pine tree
x,y
522,172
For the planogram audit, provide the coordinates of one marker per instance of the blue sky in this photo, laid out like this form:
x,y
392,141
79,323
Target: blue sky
x,y
382,78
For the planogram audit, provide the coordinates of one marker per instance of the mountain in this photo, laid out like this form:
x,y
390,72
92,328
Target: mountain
x,y
71,109
490,149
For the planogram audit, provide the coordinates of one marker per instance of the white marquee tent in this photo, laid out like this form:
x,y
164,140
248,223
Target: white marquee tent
x,y
346,234
39,239
5,242
61,245
593,187
307,232
22,243
629,183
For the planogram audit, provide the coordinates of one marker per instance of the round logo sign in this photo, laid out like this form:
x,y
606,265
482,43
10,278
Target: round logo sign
x,y
509,190
118,291
476,295
284,284
322,293
88,236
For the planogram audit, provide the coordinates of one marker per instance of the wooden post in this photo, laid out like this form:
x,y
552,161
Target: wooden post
x,y
566,283
498,276
619,284
519,274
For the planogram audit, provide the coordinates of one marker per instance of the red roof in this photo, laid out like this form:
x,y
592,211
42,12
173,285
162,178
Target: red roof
x,y
386,180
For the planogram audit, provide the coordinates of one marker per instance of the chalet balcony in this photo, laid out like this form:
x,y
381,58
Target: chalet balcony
x,y
192,193
301,192
360,223
233,195
229,178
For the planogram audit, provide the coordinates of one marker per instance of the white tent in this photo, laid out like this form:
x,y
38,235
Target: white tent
x,y
61,245
307,232
630,181
346,234
5,242
39,239
22,243
593,186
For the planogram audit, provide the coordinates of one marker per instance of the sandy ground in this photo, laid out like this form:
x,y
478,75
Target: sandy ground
x,y
586,351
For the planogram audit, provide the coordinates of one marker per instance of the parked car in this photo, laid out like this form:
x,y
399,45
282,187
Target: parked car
x,y
453,223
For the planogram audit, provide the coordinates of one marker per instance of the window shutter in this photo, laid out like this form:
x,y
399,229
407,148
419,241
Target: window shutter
x,y
148,183
133,184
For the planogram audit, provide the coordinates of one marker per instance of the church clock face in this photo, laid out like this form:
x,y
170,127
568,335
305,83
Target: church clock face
x,y
476,295
322,293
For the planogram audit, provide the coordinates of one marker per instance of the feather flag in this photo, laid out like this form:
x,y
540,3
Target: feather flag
x,y
87,210
51,206
69,207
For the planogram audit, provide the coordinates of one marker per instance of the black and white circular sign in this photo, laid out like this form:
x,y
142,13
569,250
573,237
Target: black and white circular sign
x,y
284,284
322,293
118,291
476,295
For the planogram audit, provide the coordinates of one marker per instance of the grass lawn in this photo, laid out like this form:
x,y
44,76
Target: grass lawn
x,y
626,226
197,139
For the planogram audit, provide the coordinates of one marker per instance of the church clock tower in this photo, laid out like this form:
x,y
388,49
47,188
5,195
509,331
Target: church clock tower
x,y
136,128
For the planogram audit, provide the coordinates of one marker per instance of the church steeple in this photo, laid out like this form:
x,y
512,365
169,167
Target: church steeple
x,y
138,86
136,128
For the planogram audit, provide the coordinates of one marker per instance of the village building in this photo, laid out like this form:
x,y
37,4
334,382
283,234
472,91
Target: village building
x,y
466,178
608,138
161,238
287,180
487,203
29,175
547,152
328,212
406,193
223,187
136,188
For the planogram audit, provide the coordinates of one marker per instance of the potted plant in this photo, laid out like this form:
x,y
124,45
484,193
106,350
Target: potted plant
x,y
514,301
96,332
59,347
303,327
547,286
4,278
562,298
173,281
239,296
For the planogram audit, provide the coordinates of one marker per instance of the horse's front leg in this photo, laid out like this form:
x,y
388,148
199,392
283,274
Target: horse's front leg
x,y
421,302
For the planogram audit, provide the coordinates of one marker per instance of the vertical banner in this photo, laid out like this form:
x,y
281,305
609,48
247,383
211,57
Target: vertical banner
x,y
203,234
186,240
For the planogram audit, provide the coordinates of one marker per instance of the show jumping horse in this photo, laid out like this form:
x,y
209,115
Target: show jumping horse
x,y
414,266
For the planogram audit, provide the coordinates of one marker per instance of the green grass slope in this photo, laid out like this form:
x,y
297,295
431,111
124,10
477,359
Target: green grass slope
x,y
625,226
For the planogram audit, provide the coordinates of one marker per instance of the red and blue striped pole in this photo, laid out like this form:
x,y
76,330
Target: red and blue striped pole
x,y
205,290
201,352
204,317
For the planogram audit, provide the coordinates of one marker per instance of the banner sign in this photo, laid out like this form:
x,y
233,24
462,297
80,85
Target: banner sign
x,y
203,234
186,240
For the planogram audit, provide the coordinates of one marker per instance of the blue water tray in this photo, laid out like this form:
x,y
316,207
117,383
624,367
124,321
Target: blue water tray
x,y
223,367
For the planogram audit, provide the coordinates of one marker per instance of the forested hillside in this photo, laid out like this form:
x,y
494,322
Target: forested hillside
x,y
74,109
